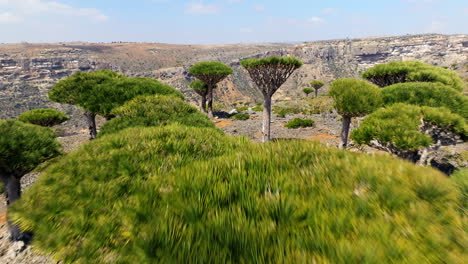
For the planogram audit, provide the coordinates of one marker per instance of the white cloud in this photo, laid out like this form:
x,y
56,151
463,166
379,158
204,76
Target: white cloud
x,y
201,8
9,18
22,9
315,20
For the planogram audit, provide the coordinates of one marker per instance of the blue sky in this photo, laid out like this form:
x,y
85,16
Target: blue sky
x,y
224,21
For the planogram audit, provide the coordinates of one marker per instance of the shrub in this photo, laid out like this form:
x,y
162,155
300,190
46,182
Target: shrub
x,y
241,116
399,129
426,94
258,108
43,117
156,110
139,197
412,71
242,108
298,122
22,147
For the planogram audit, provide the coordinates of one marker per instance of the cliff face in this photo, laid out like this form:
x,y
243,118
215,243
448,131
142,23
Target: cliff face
x,y
28,71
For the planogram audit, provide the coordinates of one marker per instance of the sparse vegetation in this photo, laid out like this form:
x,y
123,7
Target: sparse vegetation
x,y
354,98
269,74
299,122
43,117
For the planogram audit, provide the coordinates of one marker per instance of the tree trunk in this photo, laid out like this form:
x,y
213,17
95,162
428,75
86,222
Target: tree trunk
x,y
210,101
91,119
203,104
316,92
266,133
12,187
345,131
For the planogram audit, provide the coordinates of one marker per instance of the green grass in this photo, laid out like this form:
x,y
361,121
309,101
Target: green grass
x,y
193,195
298,122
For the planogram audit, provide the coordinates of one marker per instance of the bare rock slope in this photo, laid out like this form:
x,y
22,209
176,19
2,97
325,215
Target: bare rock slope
x,y
28,71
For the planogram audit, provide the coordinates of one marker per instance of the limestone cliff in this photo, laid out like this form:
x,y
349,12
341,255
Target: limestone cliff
x,y
28,71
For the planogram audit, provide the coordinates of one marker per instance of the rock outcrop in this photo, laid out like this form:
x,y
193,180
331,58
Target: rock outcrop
x,y
28,71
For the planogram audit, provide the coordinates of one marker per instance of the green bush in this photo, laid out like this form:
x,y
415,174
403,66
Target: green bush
x,y
412,71
258,108
242,108
298,122
241,116
156,110
426,94
140,197
43,117
399,125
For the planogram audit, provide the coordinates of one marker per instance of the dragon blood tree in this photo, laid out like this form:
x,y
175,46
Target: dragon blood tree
x,y
211,73
269,74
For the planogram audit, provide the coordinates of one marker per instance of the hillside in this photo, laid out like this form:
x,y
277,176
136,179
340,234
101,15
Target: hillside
x,y
28,71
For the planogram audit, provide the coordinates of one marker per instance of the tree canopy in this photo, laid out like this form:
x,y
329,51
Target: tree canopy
x,y
317,84
199,87
400,126
24,146
155,110
210,68
355,97
307,90
101,91
426,94
43,117
412,71
178,194
274,60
